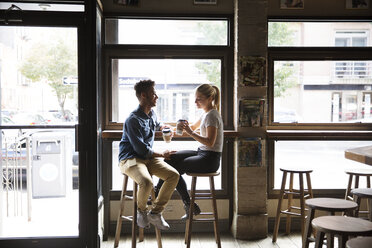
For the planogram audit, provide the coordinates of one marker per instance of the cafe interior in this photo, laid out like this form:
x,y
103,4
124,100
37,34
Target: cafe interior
x,y
295,78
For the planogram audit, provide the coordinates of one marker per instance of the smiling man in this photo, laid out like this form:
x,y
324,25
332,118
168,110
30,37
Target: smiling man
x,y
139,161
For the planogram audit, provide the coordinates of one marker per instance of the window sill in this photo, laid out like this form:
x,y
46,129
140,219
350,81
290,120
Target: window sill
x,y
116,135
318,135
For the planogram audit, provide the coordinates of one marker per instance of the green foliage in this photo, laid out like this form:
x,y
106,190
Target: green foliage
x,y
50,62
280,34
213,34
212,70
283,80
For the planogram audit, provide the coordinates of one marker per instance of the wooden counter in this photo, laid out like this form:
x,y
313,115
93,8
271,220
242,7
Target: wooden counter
x,y
360,154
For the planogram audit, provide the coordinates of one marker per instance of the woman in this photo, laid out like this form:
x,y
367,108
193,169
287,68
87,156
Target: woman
x,y
207,158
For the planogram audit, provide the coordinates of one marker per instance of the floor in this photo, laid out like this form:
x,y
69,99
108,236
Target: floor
x,y
206,240
16,221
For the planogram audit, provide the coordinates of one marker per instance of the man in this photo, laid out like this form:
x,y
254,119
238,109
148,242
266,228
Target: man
x,y
139,161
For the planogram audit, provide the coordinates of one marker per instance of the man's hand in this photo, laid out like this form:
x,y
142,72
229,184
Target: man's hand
x,y
167,154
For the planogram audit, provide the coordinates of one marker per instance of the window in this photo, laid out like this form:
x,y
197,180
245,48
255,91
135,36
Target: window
x,y
39,164
352,69
176,81
168,32
298,83
179,54
319,94
351,38
323,157
67,6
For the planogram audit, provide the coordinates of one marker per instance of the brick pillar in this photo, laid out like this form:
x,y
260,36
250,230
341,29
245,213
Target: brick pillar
x,y
250,183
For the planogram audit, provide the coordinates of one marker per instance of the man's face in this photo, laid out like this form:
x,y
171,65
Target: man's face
x,y
150,97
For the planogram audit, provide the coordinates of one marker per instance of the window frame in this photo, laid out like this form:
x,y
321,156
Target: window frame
x,y
312,54
310,131
130,51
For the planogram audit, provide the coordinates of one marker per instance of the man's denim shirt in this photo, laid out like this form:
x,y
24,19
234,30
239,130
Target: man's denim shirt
x,y
138,135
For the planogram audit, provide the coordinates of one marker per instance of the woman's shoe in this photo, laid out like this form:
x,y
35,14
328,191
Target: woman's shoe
x,y
187,210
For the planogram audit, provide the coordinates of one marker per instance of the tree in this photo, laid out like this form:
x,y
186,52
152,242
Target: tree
x,y
50,62
280,34
214,33
283,79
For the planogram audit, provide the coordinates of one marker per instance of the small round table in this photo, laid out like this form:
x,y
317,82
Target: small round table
x,y
360,242
330,205
363,193
341,226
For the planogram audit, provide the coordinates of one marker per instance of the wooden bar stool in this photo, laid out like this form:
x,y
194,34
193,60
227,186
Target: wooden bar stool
x,y
357,173
363,193
132,218
301,192
194,196
360,242
330,205
340,226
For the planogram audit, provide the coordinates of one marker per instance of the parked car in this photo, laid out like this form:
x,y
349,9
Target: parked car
x,y
286,116
29,119
6,120
67,116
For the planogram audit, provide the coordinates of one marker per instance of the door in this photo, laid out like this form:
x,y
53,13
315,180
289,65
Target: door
x,y
44,201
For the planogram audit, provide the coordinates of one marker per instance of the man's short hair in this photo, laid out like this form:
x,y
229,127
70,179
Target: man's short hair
x,y
143,86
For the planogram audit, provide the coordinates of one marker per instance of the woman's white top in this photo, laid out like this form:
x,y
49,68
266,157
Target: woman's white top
x,y
214,119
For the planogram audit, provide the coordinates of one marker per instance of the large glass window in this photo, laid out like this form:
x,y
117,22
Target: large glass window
x,y
169,32
321,91
39,193
319,34
320,86
176,81
323,157
178,54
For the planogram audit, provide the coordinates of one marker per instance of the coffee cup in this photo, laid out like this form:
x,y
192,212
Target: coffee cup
x,y
167,134
179,129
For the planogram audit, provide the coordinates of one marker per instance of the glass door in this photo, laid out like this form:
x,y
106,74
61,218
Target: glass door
x,y
39,111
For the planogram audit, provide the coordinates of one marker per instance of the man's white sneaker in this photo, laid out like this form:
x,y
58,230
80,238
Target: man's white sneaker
x,y
142,220
158,221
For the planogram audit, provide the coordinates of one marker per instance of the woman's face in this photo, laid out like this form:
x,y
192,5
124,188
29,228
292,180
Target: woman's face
x,y
202,102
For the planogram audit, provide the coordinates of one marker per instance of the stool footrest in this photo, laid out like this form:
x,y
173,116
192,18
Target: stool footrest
x,y
130,218
203,198
204,219
203,194
295,192
298,208
127,197
350,198
206,213
291,192
290,213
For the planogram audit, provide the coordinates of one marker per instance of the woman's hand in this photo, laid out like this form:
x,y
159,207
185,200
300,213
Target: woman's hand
x,y
186,127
